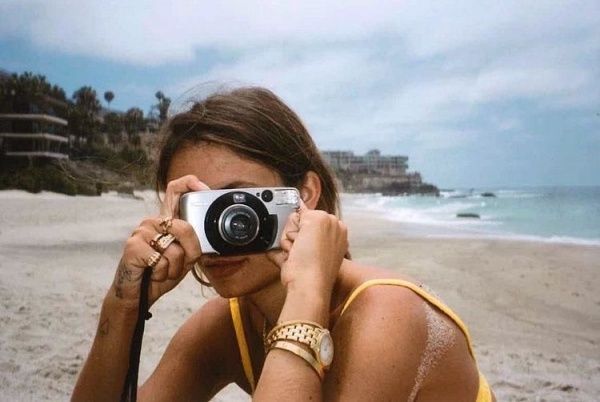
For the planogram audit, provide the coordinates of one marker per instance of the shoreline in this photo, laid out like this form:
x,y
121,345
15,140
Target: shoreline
x,y
422,223
409,229
532,307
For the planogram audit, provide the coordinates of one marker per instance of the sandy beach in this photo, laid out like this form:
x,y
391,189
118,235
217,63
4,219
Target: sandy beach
x,y
533,308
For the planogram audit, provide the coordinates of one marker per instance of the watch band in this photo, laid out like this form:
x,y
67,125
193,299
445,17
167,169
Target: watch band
x,y
305,332
298,351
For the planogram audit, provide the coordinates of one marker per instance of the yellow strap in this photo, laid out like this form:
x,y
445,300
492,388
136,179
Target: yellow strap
x,y
238,325
485,393
420,292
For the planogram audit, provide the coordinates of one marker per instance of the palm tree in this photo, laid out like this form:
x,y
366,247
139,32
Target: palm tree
x,y
108,97
162,106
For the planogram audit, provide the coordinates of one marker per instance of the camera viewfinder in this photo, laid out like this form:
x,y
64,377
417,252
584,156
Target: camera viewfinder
x,y
267,196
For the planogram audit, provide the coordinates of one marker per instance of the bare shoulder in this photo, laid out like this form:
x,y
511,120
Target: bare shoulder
x,y
379,341
392,344
198,361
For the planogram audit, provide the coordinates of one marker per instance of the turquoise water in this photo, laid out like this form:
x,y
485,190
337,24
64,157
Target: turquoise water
x,y
565,214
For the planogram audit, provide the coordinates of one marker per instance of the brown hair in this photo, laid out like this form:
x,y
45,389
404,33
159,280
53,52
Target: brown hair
x,y
255,123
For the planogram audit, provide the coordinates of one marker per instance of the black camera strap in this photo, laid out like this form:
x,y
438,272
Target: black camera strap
x,y
129,393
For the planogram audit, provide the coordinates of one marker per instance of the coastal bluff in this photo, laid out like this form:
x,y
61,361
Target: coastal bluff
x,y
376,173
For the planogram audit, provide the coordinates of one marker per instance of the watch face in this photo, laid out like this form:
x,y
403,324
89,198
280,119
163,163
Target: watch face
x,y
326,349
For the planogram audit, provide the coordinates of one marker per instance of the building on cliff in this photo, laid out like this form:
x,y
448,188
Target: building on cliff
x,y
374,172
33,135
32,127
372,162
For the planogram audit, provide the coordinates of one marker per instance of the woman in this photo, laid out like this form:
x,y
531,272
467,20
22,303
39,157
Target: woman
x,y
393,341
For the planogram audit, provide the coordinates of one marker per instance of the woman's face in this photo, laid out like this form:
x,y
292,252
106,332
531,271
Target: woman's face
x,y
221,168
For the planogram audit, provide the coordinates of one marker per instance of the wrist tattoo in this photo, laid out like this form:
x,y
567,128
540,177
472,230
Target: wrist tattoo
x,y
123,274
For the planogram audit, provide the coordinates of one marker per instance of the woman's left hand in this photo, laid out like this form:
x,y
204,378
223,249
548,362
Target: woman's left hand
x,y
314,244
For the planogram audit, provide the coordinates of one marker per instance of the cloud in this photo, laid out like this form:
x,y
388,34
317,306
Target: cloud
x,y
411,77
151,32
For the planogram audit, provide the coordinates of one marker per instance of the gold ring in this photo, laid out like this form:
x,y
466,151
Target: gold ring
x,y
155,240
164,242
166,223
153,259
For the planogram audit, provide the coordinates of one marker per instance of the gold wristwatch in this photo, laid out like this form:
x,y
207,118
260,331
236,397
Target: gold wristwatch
x,y
308,333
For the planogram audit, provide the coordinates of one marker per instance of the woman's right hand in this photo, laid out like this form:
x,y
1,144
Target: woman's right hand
x,y
175,261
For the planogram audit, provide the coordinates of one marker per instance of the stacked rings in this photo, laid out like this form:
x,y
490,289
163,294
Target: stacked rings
x,y
155,239
160,242
153,259
166,223
164,242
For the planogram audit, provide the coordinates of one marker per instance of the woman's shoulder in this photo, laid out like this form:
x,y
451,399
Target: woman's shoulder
x,y
381,301
384,305
393,328
371,290
379,340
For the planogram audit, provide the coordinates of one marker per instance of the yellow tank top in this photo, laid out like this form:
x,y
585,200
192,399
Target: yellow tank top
x,y
483,395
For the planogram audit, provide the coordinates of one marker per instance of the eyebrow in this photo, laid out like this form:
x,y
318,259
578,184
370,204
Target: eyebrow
x,y
237,184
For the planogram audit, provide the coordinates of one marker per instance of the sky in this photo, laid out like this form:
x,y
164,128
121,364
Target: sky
x,y
476,93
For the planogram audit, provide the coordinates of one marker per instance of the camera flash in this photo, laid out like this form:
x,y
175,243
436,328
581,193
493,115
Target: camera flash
x,y
239,198
286,197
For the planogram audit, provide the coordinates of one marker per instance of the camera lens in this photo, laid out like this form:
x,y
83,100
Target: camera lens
x,y
267,196
238,224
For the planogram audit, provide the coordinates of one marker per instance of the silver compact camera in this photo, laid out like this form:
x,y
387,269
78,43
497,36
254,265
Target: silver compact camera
x,y
239,221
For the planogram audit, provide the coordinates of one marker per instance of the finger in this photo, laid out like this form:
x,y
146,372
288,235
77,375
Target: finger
x,y
185,235
291,235
175,255
302,207
286,245
296,219
278,257
145,232
174,190
291,225
161,270
137,251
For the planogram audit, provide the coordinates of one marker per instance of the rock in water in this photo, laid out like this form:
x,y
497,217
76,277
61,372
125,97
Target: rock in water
x,y
467,215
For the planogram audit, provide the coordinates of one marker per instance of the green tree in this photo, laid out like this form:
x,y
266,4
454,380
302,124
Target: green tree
x,y
58,93
108,97
86,99
83,116
133,122
20,91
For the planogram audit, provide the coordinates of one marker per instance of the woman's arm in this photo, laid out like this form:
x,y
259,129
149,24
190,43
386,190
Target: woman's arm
x,y
314,246
197,363
103,374
286,376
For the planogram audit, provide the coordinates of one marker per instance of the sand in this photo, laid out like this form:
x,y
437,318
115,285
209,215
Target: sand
x,y
533,308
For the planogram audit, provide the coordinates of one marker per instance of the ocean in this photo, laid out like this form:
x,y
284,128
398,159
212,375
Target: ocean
x,y
555,214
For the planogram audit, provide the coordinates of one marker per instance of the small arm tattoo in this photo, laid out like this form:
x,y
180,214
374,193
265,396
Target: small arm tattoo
x,y
123,274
